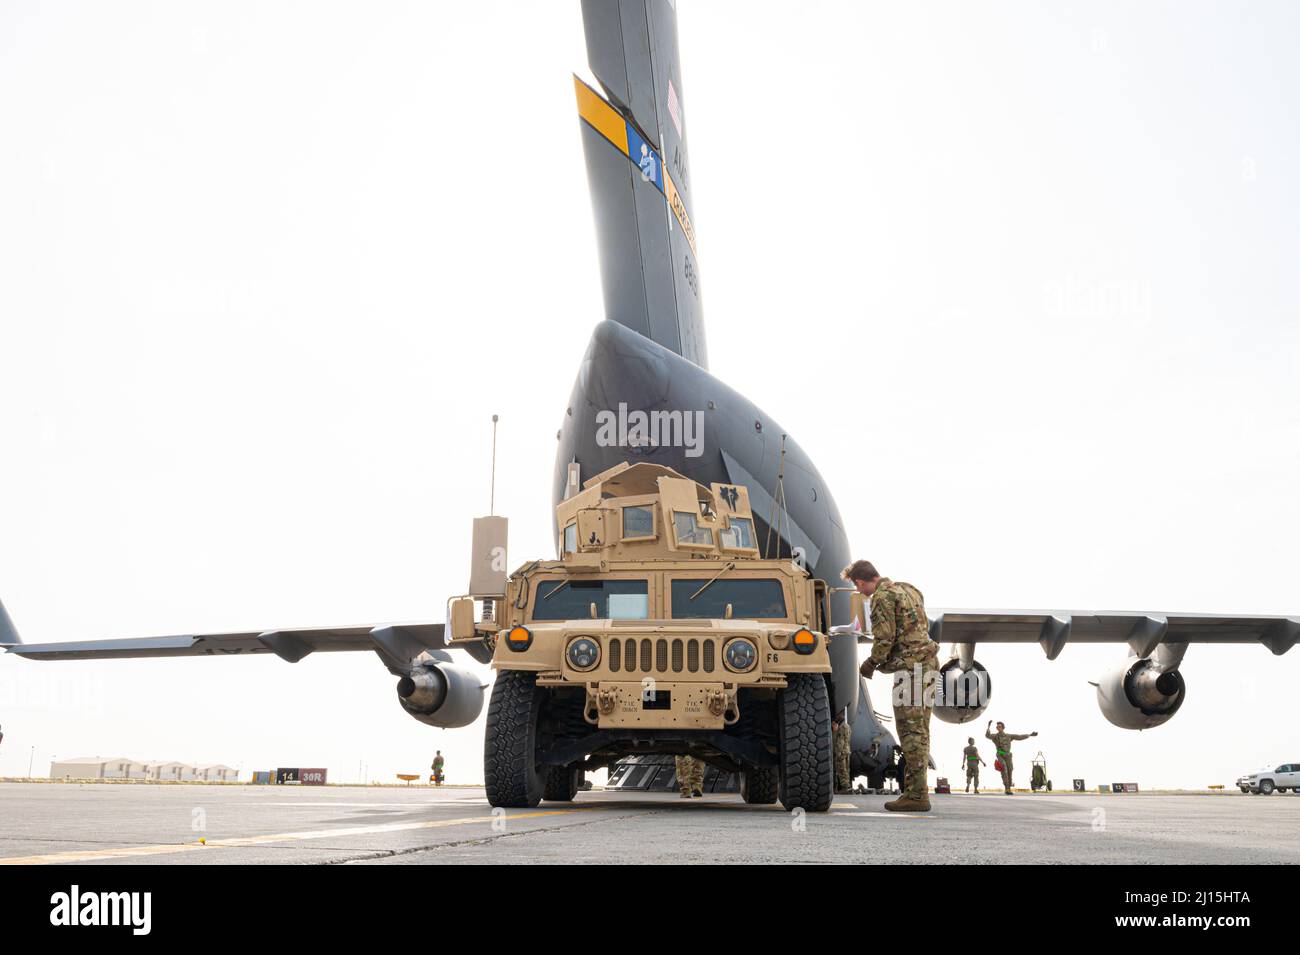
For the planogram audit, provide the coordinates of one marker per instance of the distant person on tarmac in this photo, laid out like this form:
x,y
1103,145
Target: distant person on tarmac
x,y
971,756
1002,740
843,737
690,776
438,764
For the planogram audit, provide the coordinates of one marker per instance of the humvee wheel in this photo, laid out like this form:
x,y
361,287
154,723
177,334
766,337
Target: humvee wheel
x,y
513,778
760,786
561,783
807,770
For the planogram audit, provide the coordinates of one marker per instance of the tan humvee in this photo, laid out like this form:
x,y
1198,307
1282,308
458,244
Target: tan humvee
x,y
659,630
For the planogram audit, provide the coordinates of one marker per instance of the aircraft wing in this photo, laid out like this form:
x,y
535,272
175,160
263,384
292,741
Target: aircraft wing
x,y
396,644
1143,632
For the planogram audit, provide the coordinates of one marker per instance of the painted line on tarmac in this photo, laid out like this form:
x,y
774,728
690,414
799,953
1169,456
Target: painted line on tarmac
x,y
274,803
96,855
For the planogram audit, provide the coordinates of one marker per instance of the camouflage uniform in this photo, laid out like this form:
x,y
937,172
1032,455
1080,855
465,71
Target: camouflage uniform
x,y
1003,742
690,774
843,747
902,646
972,756
438,763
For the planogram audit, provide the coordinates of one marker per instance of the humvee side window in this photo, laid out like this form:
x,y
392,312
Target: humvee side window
x,y
689,531
638,522
750,599
572,599
571,539
739,534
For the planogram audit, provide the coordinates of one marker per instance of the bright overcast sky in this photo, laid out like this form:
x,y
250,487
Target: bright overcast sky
x,y
267,269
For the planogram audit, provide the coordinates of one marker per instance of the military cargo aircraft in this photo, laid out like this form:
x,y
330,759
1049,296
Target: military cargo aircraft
x,y
647,362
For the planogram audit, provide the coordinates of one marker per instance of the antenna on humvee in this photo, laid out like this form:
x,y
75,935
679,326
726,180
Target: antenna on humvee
x,y
492,499
777,519
487,577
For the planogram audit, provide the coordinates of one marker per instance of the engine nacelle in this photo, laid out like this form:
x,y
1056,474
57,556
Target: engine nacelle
x,y
441,694
962,695
1141,694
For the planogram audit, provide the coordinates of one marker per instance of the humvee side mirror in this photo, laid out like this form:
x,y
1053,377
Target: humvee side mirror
x,y
462,619
727,615
594,612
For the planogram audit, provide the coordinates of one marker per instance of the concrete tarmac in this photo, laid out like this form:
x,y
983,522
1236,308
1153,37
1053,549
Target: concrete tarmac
x,y
162,824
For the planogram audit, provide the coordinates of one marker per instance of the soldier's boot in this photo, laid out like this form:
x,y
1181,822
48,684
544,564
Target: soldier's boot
x,y
909,803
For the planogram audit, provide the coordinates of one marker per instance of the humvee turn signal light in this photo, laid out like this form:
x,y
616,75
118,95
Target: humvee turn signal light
x,y
519,638
804,640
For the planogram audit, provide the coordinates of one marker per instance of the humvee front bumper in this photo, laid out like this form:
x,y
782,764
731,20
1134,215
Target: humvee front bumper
x,y
663,705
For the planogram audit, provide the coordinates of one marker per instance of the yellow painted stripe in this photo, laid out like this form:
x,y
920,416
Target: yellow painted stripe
x,y
122,852
679,210
603,117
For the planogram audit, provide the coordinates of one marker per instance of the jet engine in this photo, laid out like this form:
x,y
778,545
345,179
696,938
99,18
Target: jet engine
x,y
441,694
962,692
1142,693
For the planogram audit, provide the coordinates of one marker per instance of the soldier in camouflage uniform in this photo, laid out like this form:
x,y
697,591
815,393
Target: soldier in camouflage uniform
x,y
438,763
690,776
971,756
843,737
1002,740
901,645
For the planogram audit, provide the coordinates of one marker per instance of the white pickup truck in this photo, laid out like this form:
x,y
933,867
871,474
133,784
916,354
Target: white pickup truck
x,y
1262,782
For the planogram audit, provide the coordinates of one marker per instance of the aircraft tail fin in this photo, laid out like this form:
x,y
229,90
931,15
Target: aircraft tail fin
x,y
634,141
8,633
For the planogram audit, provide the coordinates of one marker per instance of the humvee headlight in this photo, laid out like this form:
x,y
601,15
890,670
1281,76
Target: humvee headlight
x,y
740,655
805,641
583,653
519,639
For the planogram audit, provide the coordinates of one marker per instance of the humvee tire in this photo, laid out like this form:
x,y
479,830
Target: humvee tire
x,y
561,783
510,771
760,786
807,769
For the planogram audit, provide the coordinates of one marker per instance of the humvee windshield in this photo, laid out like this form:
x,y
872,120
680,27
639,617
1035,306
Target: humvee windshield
x,y
750,599
572,599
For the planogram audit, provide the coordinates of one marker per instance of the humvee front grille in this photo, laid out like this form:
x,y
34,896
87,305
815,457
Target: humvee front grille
x,y
662,655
